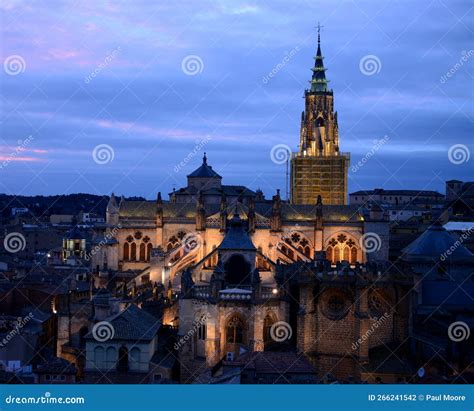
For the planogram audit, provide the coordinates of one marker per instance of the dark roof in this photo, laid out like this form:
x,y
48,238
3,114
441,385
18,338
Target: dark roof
x,y
134,324
56,366
236,237
434,243
388,360
335,213
268,362
224,189
467,190
340,213
398,192
75,234
114,377
147,209
204,171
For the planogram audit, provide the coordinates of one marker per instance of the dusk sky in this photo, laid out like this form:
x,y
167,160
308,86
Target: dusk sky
x,y
161,82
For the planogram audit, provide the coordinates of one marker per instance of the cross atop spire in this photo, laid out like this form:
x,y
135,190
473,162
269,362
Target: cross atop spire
x,y
318,80
319,27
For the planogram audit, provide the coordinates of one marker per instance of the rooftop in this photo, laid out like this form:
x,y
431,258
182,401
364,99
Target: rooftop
x,y
434,243
204,171
268,362
397,192
132,323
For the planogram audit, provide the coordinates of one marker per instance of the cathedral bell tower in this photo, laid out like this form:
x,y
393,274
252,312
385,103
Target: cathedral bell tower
x,y
319,168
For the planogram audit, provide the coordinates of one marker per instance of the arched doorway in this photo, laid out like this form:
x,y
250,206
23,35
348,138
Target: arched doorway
x,y
237,270
122,364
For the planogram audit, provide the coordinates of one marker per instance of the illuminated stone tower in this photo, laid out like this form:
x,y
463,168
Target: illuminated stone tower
x,y
319,168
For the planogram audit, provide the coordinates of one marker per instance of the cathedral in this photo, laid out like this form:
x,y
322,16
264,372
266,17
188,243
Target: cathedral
x,y
241,273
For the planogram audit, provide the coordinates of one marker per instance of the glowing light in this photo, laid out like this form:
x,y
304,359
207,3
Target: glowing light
x,y
275,291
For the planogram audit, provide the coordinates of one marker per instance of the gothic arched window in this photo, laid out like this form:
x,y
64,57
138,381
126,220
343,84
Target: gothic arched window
x,y
329,255
126,252
149,246
142,251
342,248
353,255
235,331
307,251
133,252
346,253
214,257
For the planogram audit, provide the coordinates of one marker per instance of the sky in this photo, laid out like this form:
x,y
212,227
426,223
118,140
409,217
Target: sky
x,y
126,96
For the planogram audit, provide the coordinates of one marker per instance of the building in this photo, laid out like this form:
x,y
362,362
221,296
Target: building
x,y
460,200
56,371
74,246
90,218
19,210
443,314
422,198
123,342
319,168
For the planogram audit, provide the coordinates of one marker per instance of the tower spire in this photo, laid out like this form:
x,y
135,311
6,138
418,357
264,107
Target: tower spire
x,y
319,83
